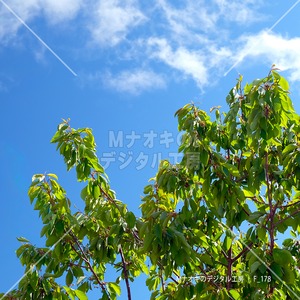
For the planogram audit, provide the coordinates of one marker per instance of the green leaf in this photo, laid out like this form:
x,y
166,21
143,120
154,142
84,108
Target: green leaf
x,y
130,219
233,170
70,292
23,240
255,216
47,286
51,240
172,180
62,126
288,275
235,294
255,266
34,279
115,288
289,148
52,175
227,243
148,189
248,194
277,269
69,278
206,259
147,242
287,242
81,295
96,192
80,279
56,137
282,257
38,178
261,233
84,193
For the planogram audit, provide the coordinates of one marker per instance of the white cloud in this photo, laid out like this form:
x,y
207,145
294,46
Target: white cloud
x,y
193,16
55,12
62,10
194,19
135,81
271,48
241,12
194,38
113,20
9,25
190,63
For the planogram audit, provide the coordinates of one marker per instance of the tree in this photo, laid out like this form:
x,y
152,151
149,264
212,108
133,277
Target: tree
x,y
240,172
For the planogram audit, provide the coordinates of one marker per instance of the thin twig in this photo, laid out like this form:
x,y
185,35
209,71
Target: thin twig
x,y
289,205
124,263
245,250
85,258
206,276
284,219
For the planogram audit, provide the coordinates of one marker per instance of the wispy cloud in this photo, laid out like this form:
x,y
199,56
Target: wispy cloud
x,y
192,39
62,10
268,47
240,12
198,18
197,41
189,63
191,17
113,19
9,25
22,22
54,11
135,81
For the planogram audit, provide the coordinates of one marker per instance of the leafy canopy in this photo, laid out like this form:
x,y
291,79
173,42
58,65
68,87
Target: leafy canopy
x,y
209,224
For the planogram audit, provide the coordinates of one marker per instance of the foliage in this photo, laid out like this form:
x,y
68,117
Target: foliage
x,y
240,172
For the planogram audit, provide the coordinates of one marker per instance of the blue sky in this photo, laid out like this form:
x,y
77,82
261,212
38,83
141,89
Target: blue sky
x,y
124,65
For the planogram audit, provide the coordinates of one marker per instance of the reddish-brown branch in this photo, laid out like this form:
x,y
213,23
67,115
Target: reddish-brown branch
x,y
286,218
272,209
271,226
207,276
224,253
126,274
162,281
245,211
289,205
111,200
245,250
86,260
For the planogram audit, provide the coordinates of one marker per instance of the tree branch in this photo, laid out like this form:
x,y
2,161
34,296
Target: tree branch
x,y
272,211
224,253
286,218
289,205
85,258
124,263
245,250
206,276
110,199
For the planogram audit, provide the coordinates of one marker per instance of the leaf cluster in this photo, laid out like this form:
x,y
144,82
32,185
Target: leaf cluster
x,y
209,224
